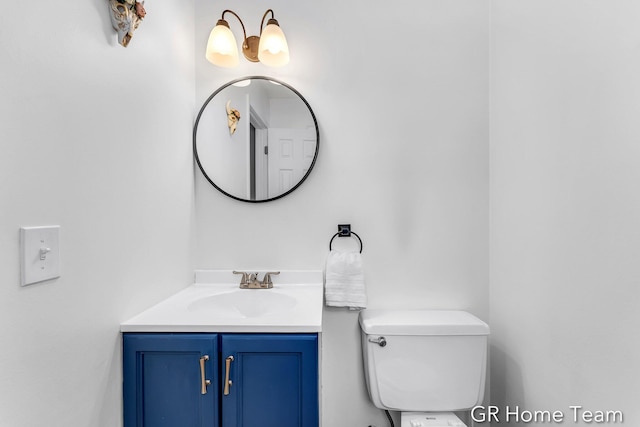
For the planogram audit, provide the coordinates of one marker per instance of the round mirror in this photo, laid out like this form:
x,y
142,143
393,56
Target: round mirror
x,y
256,139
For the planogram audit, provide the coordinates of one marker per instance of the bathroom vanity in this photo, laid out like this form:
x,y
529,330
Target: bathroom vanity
x,y
215,355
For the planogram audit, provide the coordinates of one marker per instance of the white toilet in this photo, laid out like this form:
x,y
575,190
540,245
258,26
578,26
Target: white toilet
x,y
424,363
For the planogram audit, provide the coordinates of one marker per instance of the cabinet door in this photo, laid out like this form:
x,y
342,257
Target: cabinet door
x,y
274,380
163,380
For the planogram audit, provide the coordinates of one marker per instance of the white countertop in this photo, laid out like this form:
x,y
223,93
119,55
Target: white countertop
x,y
215,303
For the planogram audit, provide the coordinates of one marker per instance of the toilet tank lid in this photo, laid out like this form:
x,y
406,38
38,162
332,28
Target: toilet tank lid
x,y
421,322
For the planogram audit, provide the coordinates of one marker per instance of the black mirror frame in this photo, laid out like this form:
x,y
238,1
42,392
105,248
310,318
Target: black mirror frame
x,y
195,131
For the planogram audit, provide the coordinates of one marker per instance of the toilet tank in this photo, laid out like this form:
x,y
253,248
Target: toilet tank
x,y
424,360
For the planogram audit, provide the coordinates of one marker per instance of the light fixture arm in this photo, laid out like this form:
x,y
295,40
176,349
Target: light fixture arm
x,y
273,18
244,32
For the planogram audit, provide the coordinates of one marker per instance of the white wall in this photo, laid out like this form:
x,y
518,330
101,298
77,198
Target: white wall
x,y
290,113
565,205
403,158
95,138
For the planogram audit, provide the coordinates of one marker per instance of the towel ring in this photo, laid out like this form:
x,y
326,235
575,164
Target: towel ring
x,y
344,230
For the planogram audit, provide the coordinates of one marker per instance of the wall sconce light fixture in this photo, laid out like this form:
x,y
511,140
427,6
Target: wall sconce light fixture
x,y
270,47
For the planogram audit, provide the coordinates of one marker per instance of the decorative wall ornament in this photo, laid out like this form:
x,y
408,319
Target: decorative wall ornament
x,y
233,117
126,16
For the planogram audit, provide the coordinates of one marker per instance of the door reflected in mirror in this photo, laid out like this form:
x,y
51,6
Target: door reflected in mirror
x,y
256,139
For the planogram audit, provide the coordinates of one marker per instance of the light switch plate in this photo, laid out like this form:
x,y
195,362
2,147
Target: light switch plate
x,y
39,254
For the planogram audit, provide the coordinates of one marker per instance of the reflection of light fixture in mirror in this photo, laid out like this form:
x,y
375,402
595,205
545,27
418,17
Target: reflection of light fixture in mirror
x,y
270,47
242,83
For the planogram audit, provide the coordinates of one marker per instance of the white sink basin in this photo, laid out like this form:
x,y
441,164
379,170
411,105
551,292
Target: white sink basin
x,y
215,303
246,303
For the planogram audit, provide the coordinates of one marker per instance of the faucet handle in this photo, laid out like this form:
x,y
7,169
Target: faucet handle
x,y
267,278
244,279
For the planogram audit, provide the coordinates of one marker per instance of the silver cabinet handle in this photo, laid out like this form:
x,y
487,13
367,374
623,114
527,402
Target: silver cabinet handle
x,y
227,381
203,381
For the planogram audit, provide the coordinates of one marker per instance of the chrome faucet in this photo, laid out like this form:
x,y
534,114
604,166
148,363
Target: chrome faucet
x,y
266,280
250,280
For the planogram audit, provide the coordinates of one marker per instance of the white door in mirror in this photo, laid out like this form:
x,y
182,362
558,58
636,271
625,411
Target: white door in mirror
x,y
39,254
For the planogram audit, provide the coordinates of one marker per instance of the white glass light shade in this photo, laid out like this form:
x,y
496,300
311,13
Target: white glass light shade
x,y
273,50
222,49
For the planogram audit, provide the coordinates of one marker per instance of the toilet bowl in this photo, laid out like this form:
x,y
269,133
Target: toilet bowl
x,y
424,363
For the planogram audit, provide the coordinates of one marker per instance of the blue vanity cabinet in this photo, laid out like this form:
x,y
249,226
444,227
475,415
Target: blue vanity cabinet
x,y
257,380
274,380
163,380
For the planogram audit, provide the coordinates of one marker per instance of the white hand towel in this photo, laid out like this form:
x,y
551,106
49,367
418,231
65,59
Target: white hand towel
x,y
344,281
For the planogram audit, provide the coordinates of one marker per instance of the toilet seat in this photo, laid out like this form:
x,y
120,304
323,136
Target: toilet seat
x,y
430,419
